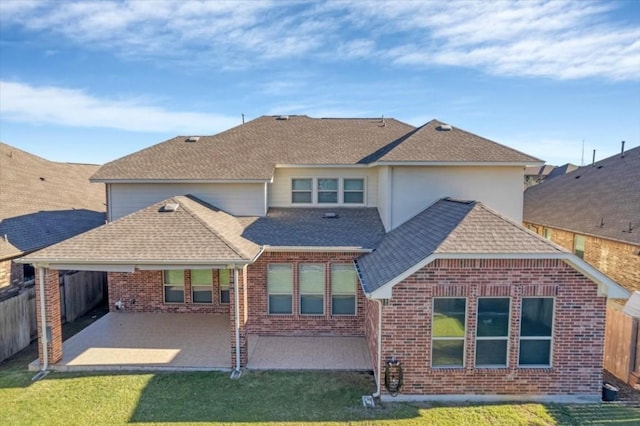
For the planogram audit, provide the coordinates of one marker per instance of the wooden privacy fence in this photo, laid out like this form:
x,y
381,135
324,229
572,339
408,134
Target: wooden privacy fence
x,y
622,346
79,292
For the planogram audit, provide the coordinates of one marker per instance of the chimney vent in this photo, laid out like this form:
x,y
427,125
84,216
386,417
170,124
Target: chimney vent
x,y
445,127
170,207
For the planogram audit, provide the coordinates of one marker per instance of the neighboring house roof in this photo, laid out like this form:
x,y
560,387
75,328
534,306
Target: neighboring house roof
x,y
447,227
251,151
561,170
43,202
601,200
359,228
194,233
542,171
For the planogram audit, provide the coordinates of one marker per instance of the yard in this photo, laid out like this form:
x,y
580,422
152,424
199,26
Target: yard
x,y
256,398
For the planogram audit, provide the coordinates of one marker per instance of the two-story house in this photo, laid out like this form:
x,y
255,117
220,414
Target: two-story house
x,y
406,237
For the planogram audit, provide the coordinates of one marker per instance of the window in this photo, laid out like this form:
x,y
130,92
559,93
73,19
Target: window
x,y
311,279
201,286
343,289
492,332
578,246
447,344
353,191
28,273
327,191
174,286
224,277
301,191
280,288
547,233
536,331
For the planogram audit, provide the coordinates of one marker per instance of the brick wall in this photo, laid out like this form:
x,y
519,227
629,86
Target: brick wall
x,y
371,332
52,317
577,351
260,322
142,291
617,260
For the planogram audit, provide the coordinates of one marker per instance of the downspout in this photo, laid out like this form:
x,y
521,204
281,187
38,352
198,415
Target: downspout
x,y
43,325
237,308
378,381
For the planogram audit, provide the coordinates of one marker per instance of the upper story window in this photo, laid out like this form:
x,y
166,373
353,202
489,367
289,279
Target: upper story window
x,y
329,191
578,246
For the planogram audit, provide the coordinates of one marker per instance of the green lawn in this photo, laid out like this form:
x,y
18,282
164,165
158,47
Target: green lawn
x,y
256,398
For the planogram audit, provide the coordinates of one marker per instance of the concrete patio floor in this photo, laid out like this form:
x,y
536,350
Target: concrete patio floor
x,y
172,341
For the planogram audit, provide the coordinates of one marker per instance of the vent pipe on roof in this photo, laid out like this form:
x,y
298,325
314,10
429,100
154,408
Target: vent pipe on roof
x,y
622,151
243,118
593,160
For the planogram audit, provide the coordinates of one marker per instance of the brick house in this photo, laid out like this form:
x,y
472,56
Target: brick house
x,y
407,237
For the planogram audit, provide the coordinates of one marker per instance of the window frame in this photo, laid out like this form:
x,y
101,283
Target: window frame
x,y
228,286
507,338
340,191
320,293
311,190
583,239
355,291
318,191
463,337
351,191
269,294
551,337
165,284
547,233
210,286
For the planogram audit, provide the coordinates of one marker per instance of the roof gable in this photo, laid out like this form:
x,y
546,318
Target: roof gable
x,y
601,200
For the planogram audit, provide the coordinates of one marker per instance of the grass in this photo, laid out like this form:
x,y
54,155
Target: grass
x,y
256,398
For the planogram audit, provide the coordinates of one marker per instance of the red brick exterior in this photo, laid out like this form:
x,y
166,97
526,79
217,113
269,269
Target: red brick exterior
x,y
52,317
371,332
260,322
577,350
142,291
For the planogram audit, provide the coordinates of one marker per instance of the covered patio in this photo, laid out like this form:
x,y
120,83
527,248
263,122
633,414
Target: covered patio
x,y
197,342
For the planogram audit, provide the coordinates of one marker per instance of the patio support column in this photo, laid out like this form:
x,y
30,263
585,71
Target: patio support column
x,y
52,319
240,281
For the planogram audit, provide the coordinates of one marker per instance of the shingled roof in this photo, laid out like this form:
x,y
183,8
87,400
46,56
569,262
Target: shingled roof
x,y
194,233
601,199
447,227
251,151
44,202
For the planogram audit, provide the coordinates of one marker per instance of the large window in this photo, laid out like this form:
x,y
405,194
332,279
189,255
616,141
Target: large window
x,y
492,332
578,246
302,191
449,323
327,191
201,286
343,289
224,278
536,331
280,288
311,279
174,286
353,191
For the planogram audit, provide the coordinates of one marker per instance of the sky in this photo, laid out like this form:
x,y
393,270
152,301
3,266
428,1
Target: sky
x,y
92,81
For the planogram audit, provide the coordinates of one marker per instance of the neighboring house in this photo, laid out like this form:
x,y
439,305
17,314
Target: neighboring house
x,y
42,203
295,226
534,175
594,211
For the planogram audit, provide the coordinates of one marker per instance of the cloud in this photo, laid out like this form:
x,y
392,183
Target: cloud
x,y
554,39
68,107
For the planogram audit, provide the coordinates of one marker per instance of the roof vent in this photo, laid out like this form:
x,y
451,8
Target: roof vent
x,y
192,139
282,117
445,127
331,215
170,207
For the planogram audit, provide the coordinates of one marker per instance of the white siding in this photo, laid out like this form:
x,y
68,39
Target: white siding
x,y
241,199
415,188
280,191
384,195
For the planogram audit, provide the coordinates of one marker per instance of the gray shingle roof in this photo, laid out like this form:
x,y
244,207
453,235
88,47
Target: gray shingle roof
x,y
580,200
195,232
251,151
43,202
354,227
446,227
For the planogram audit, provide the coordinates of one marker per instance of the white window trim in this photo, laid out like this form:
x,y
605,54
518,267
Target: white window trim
x,y
551,338
317,191
463,338
322,293
507,337
354,294
293,285
314,192
165,284
210,285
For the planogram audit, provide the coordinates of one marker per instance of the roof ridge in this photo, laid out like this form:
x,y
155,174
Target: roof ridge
x,y
205,223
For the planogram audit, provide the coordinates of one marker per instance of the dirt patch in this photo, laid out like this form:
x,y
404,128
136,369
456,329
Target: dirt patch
x,y
627,395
